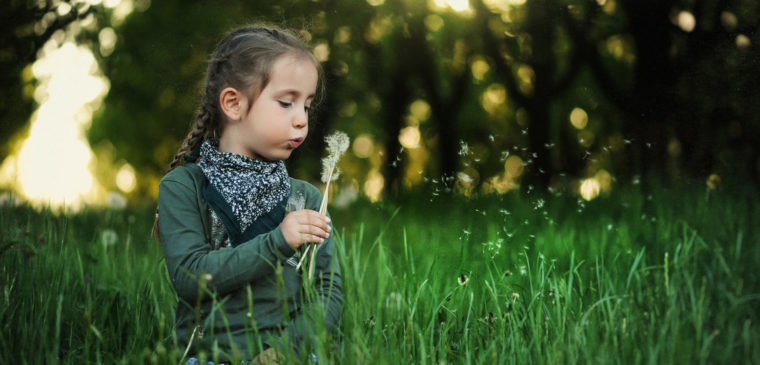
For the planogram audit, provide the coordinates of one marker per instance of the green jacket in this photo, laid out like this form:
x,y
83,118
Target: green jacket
x,y
235,297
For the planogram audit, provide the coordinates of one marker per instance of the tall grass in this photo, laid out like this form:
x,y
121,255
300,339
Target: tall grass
x,y
661,277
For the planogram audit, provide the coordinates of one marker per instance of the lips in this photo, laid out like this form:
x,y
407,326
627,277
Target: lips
x,y
295,142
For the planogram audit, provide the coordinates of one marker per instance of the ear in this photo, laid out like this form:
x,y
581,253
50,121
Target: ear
x,y
232,103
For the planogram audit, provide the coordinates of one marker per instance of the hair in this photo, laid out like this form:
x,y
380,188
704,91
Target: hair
x,y
243,60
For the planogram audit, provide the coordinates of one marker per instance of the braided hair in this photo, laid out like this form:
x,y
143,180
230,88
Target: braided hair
x,y
242,60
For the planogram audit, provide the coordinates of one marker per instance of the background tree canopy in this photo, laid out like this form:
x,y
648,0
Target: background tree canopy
x,y
481,96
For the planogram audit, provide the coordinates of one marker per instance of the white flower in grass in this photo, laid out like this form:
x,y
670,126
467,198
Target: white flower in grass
x,y
108,237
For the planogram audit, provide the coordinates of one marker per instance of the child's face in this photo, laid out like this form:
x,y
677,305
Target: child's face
x,y
278,121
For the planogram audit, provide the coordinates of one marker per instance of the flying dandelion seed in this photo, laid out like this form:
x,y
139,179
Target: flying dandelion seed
x,y
464,148
462,280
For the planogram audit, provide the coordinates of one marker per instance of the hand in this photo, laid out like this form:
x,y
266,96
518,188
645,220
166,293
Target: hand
x,y
305,226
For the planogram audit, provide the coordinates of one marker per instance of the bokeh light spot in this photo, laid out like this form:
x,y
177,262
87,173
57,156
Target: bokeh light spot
x,y
686,21
589,188
409,137
433,22
363,146
420,110
514,166
479,68
578,118
322,52
126,179
373,186
742,41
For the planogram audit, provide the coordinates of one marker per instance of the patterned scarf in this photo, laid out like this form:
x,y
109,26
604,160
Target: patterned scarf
x,y
251,187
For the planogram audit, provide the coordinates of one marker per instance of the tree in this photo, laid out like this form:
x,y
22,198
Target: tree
x,y
530,51
25,27
675,43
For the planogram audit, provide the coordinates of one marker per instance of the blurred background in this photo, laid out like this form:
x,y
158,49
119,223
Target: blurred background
x,y
474,97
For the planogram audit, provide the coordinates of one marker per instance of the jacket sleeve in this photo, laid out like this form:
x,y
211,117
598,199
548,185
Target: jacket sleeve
x,y
189,256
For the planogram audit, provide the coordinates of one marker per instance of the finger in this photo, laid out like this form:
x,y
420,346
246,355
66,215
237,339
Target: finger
x,y
314,216
317,231
310,238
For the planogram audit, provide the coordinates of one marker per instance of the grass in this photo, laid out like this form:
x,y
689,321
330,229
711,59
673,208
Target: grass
x,y
666,276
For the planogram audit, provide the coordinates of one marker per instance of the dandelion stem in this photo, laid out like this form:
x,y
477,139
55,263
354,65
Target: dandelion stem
x,y
323,211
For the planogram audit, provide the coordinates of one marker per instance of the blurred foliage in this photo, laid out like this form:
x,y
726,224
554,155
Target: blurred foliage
x,y
660,86
25,27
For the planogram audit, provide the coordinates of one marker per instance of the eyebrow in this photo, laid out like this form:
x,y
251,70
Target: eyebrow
x,y
296,93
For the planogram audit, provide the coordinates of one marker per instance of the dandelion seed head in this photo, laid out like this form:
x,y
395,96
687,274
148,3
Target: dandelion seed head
x,y
108,237
337,145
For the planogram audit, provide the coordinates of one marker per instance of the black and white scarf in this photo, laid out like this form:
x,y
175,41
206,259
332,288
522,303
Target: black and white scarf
x,y
251,187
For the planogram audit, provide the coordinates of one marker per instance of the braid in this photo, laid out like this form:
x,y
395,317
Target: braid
x,y
196,136
203,122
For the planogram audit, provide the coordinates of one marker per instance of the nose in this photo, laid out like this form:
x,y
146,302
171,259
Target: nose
x,y
301,119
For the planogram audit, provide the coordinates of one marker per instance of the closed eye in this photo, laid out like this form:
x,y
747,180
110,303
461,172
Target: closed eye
x,y
285,104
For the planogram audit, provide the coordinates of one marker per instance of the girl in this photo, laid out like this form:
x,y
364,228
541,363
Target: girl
x,y
232,220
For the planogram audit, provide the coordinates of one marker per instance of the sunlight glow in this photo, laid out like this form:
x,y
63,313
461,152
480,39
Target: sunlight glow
x,y
456,5
53,163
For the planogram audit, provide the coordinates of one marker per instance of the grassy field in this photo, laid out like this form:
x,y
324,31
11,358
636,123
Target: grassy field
x,y
667,276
